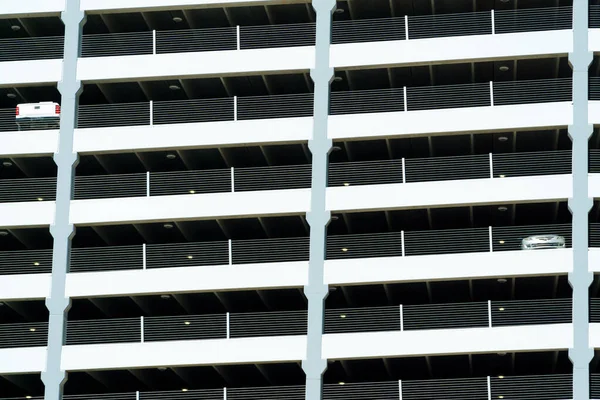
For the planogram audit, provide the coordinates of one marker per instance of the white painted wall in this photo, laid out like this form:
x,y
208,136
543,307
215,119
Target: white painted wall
x,y
459,120
24,287
266,131
188,65
184,353
30,72
594,40
594,185
22,360
30,8
29,214
187,279
456,193
448,267
447,341
452,49
187,207
28,143
97,6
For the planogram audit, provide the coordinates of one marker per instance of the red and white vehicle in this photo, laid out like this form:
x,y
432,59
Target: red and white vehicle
x,y
42,115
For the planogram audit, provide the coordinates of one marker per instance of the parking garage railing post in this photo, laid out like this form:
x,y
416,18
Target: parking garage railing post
x,y
406,29
230,251
492,93
151,113
224,393
489,313
405,98
402,242
403,170
147,183
489,387
493,22
232,180
401,317
142,329
144,256
237,37
235,108
490,238
154,41
491,165
137,395
400,390
228,335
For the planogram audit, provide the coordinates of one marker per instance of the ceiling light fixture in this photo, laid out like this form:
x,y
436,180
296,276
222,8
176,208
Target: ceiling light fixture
x,y
11,95
174,87
31,329
502,354
342,316
171,156
15,28
338,79
502,280
502,208
502,176
346,184
503,138
165,296
7,163
37,264
40,199
334,217
184,390
187,323
190,257
503,68
168,226
162,368
192,191
501,309
339,10
177,19
3,233
344,249
336,148
341,383
501,242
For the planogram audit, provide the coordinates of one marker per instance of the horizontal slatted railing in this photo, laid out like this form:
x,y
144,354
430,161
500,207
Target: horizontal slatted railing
x,y
508,238
31,48
30,334
533,91
368,30
193,111
362,391
190,182
279,106
185,327
447,389
531,312
117,44
594,161
113,115
121,330
446,241
272,178
7,120
594,17
27,189
366,101
276,323
448,96
595,311
532,163
594,84
365,173
111,258
445,25
533,19
187,254
541,387
595,386
364,246
109,186
594,233
195,40
447,168
301,104
270,250
355,320
25,262
273,36
545,387
446,316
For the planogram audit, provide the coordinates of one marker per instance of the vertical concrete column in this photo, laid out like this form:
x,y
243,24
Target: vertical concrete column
x,y
580,204
318,217
62,231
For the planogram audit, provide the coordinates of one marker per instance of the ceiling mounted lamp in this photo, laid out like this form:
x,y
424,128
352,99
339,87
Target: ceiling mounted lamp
x,y
502,208
165,296
174,87
7,163
171,156
162,369
15,28
339,10
3,233
338,79
168,226
503,138
503,68
177,19
502,280
11,95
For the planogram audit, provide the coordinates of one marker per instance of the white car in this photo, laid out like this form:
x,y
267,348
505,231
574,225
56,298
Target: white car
x,y
43,115
543,242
